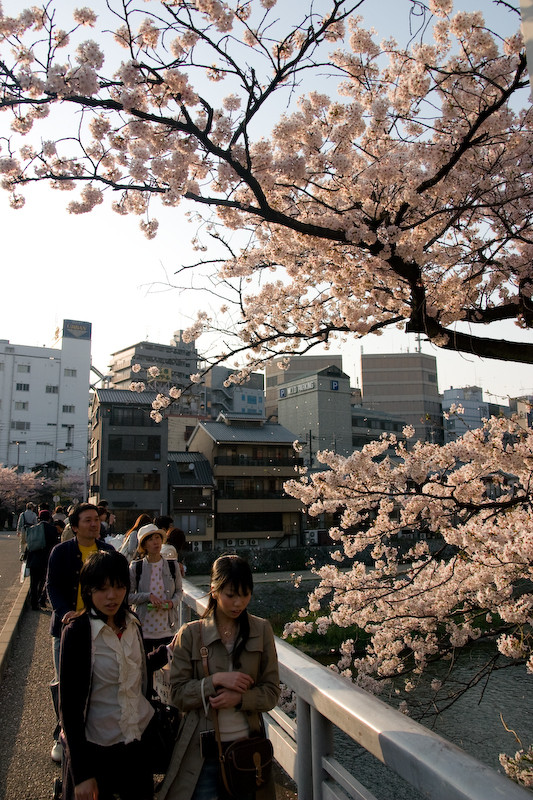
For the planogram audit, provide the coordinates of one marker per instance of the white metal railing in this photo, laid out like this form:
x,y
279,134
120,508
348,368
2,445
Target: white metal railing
x,y
324,701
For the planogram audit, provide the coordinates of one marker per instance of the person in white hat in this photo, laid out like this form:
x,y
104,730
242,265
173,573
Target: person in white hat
x,y
156,589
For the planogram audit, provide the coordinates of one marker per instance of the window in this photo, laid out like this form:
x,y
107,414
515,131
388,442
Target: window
x,y
19,426
134,482
134,448
135,417
52,389
69,409
23,387
21,405
70,373
23,367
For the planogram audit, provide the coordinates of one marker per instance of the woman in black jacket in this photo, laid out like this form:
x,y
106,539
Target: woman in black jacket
x,y
103,680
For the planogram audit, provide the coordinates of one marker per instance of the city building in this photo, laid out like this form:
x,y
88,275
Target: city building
x,y
44,398
191,498
245,398
278,372
522,407
176,362
474,411
251,460
128,455
405,384
316,407
369,424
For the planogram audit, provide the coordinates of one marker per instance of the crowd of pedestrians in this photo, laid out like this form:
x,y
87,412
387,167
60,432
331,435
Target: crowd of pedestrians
x,y
114,620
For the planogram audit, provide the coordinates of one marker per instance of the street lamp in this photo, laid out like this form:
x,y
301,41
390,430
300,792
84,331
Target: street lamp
x,y
85,475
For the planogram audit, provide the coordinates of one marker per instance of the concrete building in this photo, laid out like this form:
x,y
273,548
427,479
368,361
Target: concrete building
x,y
251,460
191,498
128,456
176,362
523,408
405,384
44,399
298,365
316,408
369,424
246,398
470,398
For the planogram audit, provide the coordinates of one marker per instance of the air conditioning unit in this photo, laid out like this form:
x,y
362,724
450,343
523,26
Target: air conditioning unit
x,y
230,542
311,537
242,542
197,547
253,542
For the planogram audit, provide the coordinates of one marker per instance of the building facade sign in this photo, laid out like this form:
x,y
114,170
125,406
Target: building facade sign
x,y
73,329
301,387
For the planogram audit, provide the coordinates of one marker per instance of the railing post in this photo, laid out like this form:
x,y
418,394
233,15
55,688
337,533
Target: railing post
x,y
304,775
321,746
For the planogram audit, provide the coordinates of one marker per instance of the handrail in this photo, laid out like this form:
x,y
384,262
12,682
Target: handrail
x,y
324,700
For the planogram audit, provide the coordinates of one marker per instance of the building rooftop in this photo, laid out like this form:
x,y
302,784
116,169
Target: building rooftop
x,y
267,433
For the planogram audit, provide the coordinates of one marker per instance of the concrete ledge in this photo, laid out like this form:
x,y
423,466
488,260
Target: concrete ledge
x,y
11,626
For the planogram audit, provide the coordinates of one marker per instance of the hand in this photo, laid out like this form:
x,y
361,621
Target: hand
x,y
225,699
88,790
68,616
235,681
155,601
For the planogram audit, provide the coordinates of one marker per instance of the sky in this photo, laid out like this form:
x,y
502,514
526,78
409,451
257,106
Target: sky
x,y
99,268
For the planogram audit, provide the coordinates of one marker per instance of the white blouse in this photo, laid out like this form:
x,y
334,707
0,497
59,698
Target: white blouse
x,y
118,710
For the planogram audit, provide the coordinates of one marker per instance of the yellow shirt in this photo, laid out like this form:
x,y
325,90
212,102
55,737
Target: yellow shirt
x,y
85,553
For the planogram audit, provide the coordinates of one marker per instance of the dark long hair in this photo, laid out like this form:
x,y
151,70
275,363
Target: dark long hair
x,y
98,569
233,571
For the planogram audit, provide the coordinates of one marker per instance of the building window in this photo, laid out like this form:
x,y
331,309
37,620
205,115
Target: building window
x,y
19,426
23,367
21,405
191,524
70,373
134,482
23,387
134,448
134,417
69,409
52,389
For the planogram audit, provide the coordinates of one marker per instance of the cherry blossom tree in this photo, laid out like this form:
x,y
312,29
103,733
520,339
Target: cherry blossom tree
x,y
472,498
18,487
340,186
398,196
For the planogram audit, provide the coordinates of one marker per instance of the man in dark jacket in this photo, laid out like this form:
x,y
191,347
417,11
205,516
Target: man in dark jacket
x,y
63,579
37,561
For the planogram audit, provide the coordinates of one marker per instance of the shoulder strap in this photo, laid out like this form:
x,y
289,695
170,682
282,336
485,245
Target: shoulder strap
x,y
172,567
204,653
138,571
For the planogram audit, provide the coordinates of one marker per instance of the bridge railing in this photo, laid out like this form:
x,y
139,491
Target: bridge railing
x,y
304,746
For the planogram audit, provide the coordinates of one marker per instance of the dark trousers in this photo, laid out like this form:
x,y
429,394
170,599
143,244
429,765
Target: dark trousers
x,y
37,579
121,769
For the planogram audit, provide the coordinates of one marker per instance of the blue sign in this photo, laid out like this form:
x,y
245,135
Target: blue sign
x,y
334,386
283,393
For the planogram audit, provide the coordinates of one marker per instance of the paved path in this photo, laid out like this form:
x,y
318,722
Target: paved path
x,y
26,714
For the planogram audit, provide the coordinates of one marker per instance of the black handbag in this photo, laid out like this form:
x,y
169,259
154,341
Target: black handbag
x,y
246,764
161,734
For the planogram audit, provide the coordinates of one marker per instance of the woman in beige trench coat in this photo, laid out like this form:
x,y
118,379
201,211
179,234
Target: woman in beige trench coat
x,y
243,682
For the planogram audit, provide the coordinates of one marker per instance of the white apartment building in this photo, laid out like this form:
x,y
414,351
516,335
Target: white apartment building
x,y
474,411
44,398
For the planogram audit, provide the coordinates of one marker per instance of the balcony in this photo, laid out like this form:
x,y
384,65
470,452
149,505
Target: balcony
x,y
248,461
